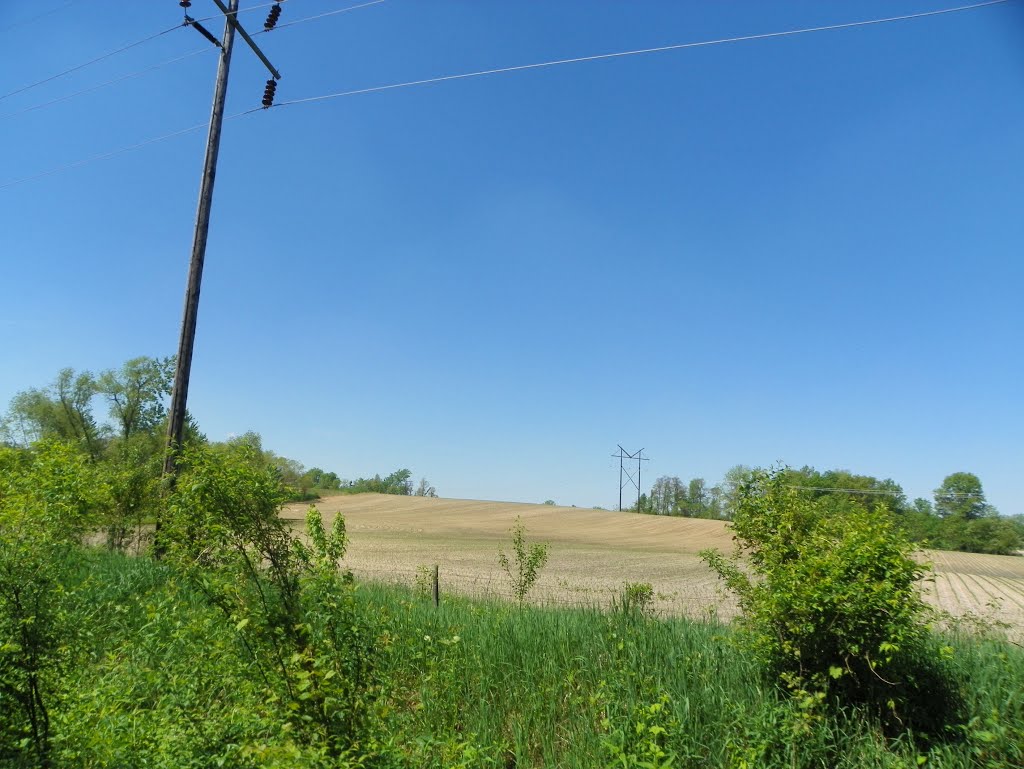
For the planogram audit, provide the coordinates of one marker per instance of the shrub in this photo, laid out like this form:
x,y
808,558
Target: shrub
x,y
636,598
831,603
49,497
524,568
292,611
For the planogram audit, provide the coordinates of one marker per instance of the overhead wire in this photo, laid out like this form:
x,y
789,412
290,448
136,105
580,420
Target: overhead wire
x,y
83,65
516,68
97,87
37,17
319,16
122,49
642,51
893,492
146,70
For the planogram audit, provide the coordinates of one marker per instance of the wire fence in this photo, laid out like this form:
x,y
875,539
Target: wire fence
x,y
703,600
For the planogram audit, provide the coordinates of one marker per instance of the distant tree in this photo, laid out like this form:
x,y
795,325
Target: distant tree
x,y
736,477
961,495
399,482
668,495
838,487
549,502
425,489
696,498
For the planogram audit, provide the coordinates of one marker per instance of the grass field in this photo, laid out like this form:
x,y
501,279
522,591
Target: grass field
x,y
593,552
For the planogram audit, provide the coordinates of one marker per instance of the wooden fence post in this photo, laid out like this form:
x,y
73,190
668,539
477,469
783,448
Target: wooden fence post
x,y
437,591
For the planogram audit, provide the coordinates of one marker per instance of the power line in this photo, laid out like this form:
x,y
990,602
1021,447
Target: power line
x,y
955,495
319,16
637,52
100,58
122,49
112,153
146,70
37,17
521,67
90,89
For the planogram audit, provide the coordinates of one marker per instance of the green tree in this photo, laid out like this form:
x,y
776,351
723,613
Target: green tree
x,y
961,495
62,411
736,478
668,496
136,394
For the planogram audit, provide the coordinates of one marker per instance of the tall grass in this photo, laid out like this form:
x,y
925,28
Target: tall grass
x,y
526,686
478,684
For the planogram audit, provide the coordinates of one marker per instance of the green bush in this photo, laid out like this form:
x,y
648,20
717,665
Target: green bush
x,y
524,567
290,608
831,605
636,598
49,497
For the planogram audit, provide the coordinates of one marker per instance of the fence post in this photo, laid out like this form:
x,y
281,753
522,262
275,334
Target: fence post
x,y
437,591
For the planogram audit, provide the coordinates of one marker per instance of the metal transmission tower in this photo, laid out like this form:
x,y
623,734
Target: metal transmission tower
x,y
627,472
179,393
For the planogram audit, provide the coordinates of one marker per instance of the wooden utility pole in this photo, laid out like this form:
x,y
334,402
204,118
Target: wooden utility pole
x,y
179,393
183,367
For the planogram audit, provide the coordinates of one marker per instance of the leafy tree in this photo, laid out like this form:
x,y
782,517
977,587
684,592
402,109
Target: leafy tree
x,y
136,393
321,479
62,412
961,495
836,487
736,477
668,496
398,482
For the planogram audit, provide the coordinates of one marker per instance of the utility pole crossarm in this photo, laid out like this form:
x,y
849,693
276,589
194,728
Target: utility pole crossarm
x,y
233,21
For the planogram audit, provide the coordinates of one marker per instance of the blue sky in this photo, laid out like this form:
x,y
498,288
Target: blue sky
x,y
804,249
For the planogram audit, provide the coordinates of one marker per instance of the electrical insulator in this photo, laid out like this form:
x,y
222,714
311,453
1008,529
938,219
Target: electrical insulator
x,y
272,17
184,3
268,93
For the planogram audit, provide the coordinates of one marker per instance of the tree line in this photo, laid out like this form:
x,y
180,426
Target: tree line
x,y
129,442
958,517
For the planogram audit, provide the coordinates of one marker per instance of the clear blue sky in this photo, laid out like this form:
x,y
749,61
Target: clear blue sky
x,y
804,249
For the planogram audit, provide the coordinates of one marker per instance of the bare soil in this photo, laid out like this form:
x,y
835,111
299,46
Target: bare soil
x,y
594,552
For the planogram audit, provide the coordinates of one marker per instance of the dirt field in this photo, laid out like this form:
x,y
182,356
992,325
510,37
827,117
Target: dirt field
x,y
593,552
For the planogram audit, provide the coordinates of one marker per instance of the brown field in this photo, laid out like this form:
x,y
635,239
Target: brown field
x,y
593,552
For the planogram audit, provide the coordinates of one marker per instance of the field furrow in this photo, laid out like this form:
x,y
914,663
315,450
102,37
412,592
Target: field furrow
x,y
593,553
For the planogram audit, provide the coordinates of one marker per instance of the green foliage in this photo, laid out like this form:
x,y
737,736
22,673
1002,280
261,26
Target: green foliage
x,y
831,603
132,468
136,393
60,412
289,606
961,496
637,598
524,568
48,499
398,482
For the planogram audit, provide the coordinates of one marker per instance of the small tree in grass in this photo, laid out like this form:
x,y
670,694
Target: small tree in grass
x,y
831,604
527,561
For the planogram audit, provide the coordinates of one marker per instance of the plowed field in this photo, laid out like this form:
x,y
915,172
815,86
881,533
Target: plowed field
x,y
593,552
